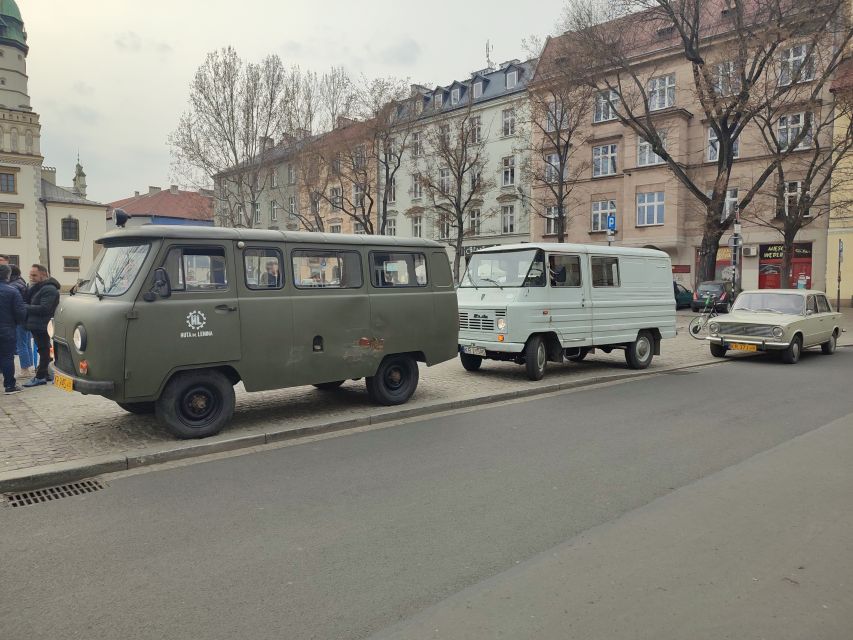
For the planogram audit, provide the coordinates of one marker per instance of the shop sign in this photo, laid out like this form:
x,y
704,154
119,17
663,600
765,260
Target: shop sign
x,y
777,251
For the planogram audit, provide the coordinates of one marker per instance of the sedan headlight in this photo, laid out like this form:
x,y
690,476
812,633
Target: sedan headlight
x,y
778,332
502,324
80,338
714,327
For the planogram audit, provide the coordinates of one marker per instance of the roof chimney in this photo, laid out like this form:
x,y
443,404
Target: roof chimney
x,y
135,194
153,190
173,189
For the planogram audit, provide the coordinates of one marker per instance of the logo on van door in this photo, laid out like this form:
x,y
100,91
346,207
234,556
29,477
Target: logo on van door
x,y
196,320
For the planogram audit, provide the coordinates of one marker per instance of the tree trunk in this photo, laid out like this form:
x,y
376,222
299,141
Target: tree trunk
x,y
457,255
708,255
787,263
561,224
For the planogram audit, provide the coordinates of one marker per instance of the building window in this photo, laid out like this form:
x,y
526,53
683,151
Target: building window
x,y
291,206
417,226
359,229
274,179
476,179
439,101
554,118
444,181
726,79
70,263
8,225
273,211
444,135
334,228
508,218
391,227
417,187
454,97
256,209
392,190
793,192
416,144
650,209
476,130
508,171
552,215
444,228
7,183
70,230
790,127
512,79
358,196
645,156
600,211
605,106
552,168
714,147
478,90
508,122
336,198
474,222
661,92
797,65
359,158
604,160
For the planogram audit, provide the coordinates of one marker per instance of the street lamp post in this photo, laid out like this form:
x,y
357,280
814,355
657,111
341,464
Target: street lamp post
x,y
735,244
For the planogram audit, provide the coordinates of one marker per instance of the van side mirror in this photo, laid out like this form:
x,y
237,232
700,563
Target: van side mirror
x,y
162,286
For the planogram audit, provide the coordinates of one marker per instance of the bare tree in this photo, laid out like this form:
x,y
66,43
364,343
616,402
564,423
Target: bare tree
x,y
225,137
304,99
337,97
734,48
452,176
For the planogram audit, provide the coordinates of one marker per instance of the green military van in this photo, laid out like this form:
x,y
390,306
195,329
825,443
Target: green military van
x,y
171,318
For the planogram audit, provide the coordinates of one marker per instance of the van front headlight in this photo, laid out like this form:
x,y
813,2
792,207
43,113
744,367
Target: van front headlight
x,y
80,338
502,325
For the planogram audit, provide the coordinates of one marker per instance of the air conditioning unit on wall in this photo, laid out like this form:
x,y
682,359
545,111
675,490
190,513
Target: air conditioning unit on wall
x,y
750,251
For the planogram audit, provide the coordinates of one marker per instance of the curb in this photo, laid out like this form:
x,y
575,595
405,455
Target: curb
x,y
31,478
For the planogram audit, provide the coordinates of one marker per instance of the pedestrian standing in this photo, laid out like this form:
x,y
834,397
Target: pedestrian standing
x,y
12,313
24,343
42,300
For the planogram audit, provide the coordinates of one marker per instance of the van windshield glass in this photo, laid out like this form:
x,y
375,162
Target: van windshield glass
x,y
115,270
507,269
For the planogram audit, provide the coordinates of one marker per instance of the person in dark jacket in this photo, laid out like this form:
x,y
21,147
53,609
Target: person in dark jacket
x,y
42,300
12,313
24,346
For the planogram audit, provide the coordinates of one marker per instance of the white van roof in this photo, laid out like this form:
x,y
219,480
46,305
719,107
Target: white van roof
x,y
597,249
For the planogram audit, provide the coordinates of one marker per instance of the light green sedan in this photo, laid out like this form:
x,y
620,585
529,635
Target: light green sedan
x,y
783,320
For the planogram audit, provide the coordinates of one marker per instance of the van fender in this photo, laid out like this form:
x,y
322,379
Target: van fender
x,y
552,345
228,369
657,339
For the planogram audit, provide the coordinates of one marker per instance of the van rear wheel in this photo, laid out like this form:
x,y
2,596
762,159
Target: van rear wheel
x,y
535,358
329,386
395,381
639,354
196,404
139,408
471,363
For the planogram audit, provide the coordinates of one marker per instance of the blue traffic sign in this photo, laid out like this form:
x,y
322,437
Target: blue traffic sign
x,y
611,222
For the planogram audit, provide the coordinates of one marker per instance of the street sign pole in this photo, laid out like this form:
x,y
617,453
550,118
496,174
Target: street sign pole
x,y
735,243
611,229
840,262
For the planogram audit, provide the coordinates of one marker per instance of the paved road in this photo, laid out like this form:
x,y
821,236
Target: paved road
x,y
341,538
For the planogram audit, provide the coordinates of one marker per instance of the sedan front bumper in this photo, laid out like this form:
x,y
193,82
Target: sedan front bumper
x,y
762,344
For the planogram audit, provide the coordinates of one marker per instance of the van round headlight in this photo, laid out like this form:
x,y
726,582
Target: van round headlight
x,y
714,327
501,324
80,338
778,332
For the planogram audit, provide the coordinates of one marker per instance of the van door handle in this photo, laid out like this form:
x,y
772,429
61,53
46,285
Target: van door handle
x,y
225,307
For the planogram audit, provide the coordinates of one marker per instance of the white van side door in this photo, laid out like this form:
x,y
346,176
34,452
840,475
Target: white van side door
x,y
569,308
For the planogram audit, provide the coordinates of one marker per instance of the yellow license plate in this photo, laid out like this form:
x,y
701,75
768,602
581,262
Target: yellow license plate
x,y
63,382
743,347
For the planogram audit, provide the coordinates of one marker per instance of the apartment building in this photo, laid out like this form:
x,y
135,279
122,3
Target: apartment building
x,y
623,177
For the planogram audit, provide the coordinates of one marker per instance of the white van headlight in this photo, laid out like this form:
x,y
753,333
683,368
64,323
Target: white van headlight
x,y
502,324
80,338
778,332
714,328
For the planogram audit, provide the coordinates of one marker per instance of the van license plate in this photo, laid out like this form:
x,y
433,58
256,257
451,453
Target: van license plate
x,y
63,382
474,351
743,347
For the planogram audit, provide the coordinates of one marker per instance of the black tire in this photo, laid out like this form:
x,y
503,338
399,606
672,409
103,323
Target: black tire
x,y
579,357
329,386
639,354
139,408
792,354
718,350
395,381
828,347
471,362
535,358
196,404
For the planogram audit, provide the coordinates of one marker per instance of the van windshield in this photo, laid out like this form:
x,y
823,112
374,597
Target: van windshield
x,y
506,269
115,270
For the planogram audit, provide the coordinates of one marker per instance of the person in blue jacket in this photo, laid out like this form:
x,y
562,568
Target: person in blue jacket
x,y
13,312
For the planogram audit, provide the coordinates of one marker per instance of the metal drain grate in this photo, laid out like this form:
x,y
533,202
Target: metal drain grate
x,y
28,498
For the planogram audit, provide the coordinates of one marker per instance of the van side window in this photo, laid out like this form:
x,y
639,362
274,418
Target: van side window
x,y
823,305
314,268
605,271
196,268
398,269
564,271
263,268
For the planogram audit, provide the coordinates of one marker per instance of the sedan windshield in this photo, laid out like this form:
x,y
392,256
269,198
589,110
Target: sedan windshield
x,y
788,303
507,269
115,270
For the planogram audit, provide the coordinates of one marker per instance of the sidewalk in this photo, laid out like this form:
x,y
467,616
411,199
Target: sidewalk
x,y
725,557
44,426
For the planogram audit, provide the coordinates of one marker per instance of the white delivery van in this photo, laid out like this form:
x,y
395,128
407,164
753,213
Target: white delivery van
x,y
537,303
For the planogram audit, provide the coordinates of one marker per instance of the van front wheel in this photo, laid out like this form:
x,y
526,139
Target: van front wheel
x,y
639,354
395,380
535,358
196,404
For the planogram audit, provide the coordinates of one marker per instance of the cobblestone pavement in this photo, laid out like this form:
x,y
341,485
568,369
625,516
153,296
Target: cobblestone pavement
x,y
44,425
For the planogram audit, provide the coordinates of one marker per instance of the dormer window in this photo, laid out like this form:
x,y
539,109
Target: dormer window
x,y
511,79
439,100
478,90
454,97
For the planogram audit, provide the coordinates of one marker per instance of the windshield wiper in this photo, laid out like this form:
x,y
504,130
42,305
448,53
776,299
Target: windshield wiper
x,y
498,284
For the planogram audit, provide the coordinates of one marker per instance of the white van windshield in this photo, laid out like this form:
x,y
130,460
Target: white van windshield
x,y
505,269
115,270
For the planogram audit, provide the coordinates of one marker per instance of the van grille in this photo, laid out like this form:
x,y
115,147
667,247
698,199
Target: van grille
x,y
480,320
750,330
62,355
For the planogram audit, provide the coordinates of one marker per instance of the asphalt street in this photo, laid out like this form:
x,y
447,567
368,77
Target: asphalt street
x,y
348,536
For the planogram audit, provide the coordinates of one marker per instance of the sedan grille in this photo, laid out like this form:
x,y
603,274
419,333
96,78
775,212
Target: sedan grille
x,y
742,329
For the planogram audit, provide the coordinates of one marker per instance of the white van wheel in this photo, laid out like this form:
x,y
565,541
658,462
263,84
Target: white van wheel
x,y
639,353
535,358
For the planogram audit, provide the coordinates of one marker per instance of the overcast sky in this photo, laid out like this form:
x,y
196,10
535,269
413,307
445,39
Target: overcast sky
x,y
110,79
